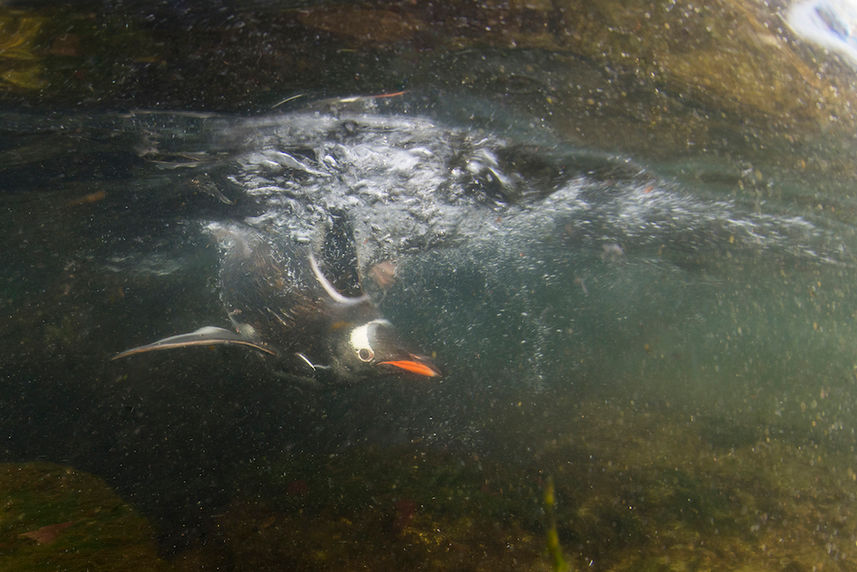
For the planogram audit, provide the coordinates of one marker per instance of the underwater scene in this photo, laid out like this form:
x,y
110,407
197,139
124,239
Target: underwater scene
x,y
498,285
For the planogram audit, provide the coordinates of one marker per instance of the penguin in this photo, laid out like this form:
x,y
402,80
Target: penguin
x,y
282,304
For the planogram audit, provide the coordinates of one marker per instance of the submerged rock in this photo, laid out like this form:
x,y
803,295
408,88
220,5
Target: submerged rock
x,y
58,518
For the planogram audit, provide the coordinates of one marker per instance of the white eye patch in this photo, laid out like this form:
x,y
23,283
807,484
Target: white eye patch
x,y
360,340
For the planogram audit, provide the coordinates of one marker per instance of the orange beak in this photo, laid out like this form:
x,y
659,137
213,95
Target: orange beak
x,y
417,365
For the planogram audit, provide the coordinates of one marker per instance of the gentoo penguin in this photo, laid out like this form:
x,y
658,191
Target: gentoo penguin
x,y
281,303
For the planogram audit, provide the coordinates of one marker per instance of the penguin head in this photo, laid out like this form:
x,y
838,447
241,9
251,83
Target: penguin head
x,y
374,347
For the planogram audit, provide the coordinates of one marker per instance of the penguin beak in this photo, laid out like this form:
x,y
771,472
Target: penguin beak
x,y
416,364
376,342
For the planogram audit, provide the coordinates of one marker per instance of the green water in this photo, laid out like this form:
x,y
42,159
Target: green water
x,y
646,299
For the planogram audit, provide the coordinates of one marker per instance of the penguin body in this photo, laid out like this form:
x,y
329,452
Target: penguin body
x,y
282,304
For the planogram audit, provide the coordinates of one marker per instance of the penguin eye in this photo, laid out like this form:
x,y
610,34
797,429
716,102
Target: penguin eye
x,y
365,354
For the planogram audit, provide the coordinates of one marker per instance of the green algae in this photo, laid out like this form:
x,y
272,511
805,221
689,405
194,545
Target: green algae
x,y
607,486
56,518
657,495
554,546
20,61
634,487
405,507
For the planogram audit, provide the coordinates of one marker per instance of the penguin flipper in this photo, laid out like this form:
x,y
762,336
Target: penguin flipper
x,y
205,336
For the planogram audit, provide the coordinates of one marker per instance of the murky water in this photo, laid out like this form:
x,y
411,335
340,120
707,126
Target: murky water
x,y
663,331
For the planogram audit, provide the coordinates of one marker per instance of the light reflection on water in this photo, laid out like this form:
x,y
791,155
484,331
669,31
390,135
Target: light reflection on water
x,y
829,23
